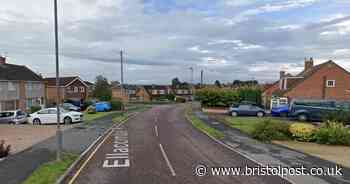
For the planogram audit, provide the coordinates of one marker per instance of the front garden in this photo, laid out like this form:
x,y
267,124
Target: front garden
x,y
329,141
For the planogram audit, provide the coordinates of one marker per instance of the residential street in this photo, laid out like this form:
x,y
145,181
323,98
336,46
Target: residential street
x,y
161,146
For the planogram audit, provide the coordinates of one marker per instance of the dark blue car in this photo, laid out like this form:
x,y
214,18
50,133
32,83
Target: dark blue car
x,y
281,111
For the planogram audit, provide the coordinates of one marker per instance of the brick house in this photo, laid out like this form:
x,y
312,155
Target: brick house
x,y
153,92
20,87
326,81
71,88
183,91
129,93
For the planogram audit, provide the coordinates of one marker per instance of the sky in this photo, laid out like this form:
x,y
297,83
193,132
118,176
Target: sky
x,y
227,39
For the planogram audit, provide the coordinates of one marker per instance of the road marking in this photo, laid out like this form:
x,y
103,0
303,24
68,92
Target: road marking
x,y
120,155
156,130
89,158
167,160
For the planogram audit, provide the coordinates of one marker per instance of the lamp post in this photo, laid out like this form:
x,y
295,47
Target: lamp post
x,y
58,131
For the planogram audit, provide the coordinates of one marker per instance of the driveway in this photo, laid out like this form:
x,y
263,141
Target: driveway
x,y
21,137
161,146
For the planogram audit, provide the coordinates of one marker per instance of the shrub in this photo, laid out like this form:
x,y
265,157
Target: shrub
x,y
180,99
217,97
302,131
117,105
34,109
268,130
337,116
333,133
170,97
91,110
4,150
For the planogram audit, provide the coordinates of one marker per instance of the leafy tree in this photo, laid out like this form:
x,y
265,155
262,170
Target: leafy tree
x,y
175,82
217,83
103,90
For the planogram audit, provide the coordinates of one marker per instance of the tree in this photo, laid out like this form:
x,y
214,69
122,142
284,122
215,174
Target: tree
x,y
103,90
175,82
217,83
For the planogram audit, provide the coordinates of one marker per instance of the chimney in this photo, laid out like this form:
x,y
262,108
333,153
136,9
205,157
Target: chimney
x,y
309,64
2,60
282,74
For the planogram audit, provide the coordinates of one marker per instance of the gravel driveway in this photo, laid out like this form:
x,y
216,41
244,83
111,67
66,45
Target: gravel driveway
x,y
21,137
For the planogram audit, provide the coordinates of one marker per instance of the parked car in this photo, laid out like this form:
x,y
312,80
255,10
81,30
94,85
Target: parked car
x,y
281,111
49,115
13,117
246,110
103,106
70,107
312,110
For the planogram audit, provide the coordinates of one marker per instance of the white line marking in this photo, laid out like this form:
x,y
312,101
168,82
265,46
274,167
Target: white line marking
x,y
156,130
167,161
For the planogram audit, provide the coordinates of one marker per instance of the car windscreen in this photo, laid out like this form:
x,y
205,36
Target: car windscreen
x,y
6,114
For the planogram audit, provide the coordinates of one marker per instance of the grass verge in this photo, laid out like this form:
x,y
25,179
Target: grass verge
x,y
199,124
91,117
48,173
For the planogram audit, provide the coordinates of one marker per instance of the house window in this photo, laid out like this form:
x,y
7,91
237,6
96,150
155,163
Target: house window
x,y
330,83
154,92
11,86
76,90
162,92
82,89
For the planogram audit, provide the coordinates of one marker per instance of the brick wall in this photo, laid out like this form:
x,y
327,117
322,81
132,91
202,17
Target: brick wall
x,y
314,87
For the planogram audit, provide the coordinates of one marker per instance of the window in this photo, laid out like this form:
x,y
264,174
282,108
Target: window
x,y
162,92
52,111
76,90
46,111
82,89
11,86
330,83
154,92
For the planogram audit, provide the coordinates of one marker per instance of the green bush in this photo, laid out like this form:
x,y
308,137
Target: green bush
x,y
333,133
217,97
4,150
302,131
180,99
268,130
338,116
117,105
170,97
251,94
34,109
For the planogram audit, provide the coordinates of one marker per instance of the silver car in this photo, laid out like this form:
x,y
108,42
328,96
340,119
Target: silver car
x,y
13,117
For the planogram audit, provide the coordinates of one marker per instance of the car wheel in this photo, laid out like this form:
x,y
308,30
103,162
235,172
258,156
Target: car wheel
x,y
67,120
36,121
234,114
12,123
302,117
260,114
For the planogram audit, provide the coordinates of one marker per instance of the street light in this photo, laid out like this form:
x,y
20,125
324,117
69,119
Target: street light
x,y
58,131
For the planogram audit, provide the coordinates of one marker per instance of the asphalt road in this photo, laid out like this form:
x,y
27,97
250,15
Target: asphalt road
x,y
161,146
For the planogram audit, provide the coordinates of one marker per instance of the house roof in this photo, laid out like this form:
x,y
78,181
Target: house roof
x,y
149,88
88,83
64,81
304,75
18,72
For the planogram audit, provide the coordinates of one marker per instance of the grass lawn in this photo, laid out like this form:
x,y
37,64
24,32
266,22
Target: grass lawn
x,y
48,173
199,124
246,124
337,154
90,117
120,117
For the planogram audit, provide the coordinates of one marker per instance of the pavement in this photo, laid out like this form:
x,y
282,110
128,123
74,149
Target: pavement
x,y
161,146
275,155
16,168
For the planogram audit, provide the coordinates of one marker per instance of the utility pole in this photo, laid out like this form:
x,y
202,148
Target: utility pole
x,y
191,85
121,72
202,73
58,98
